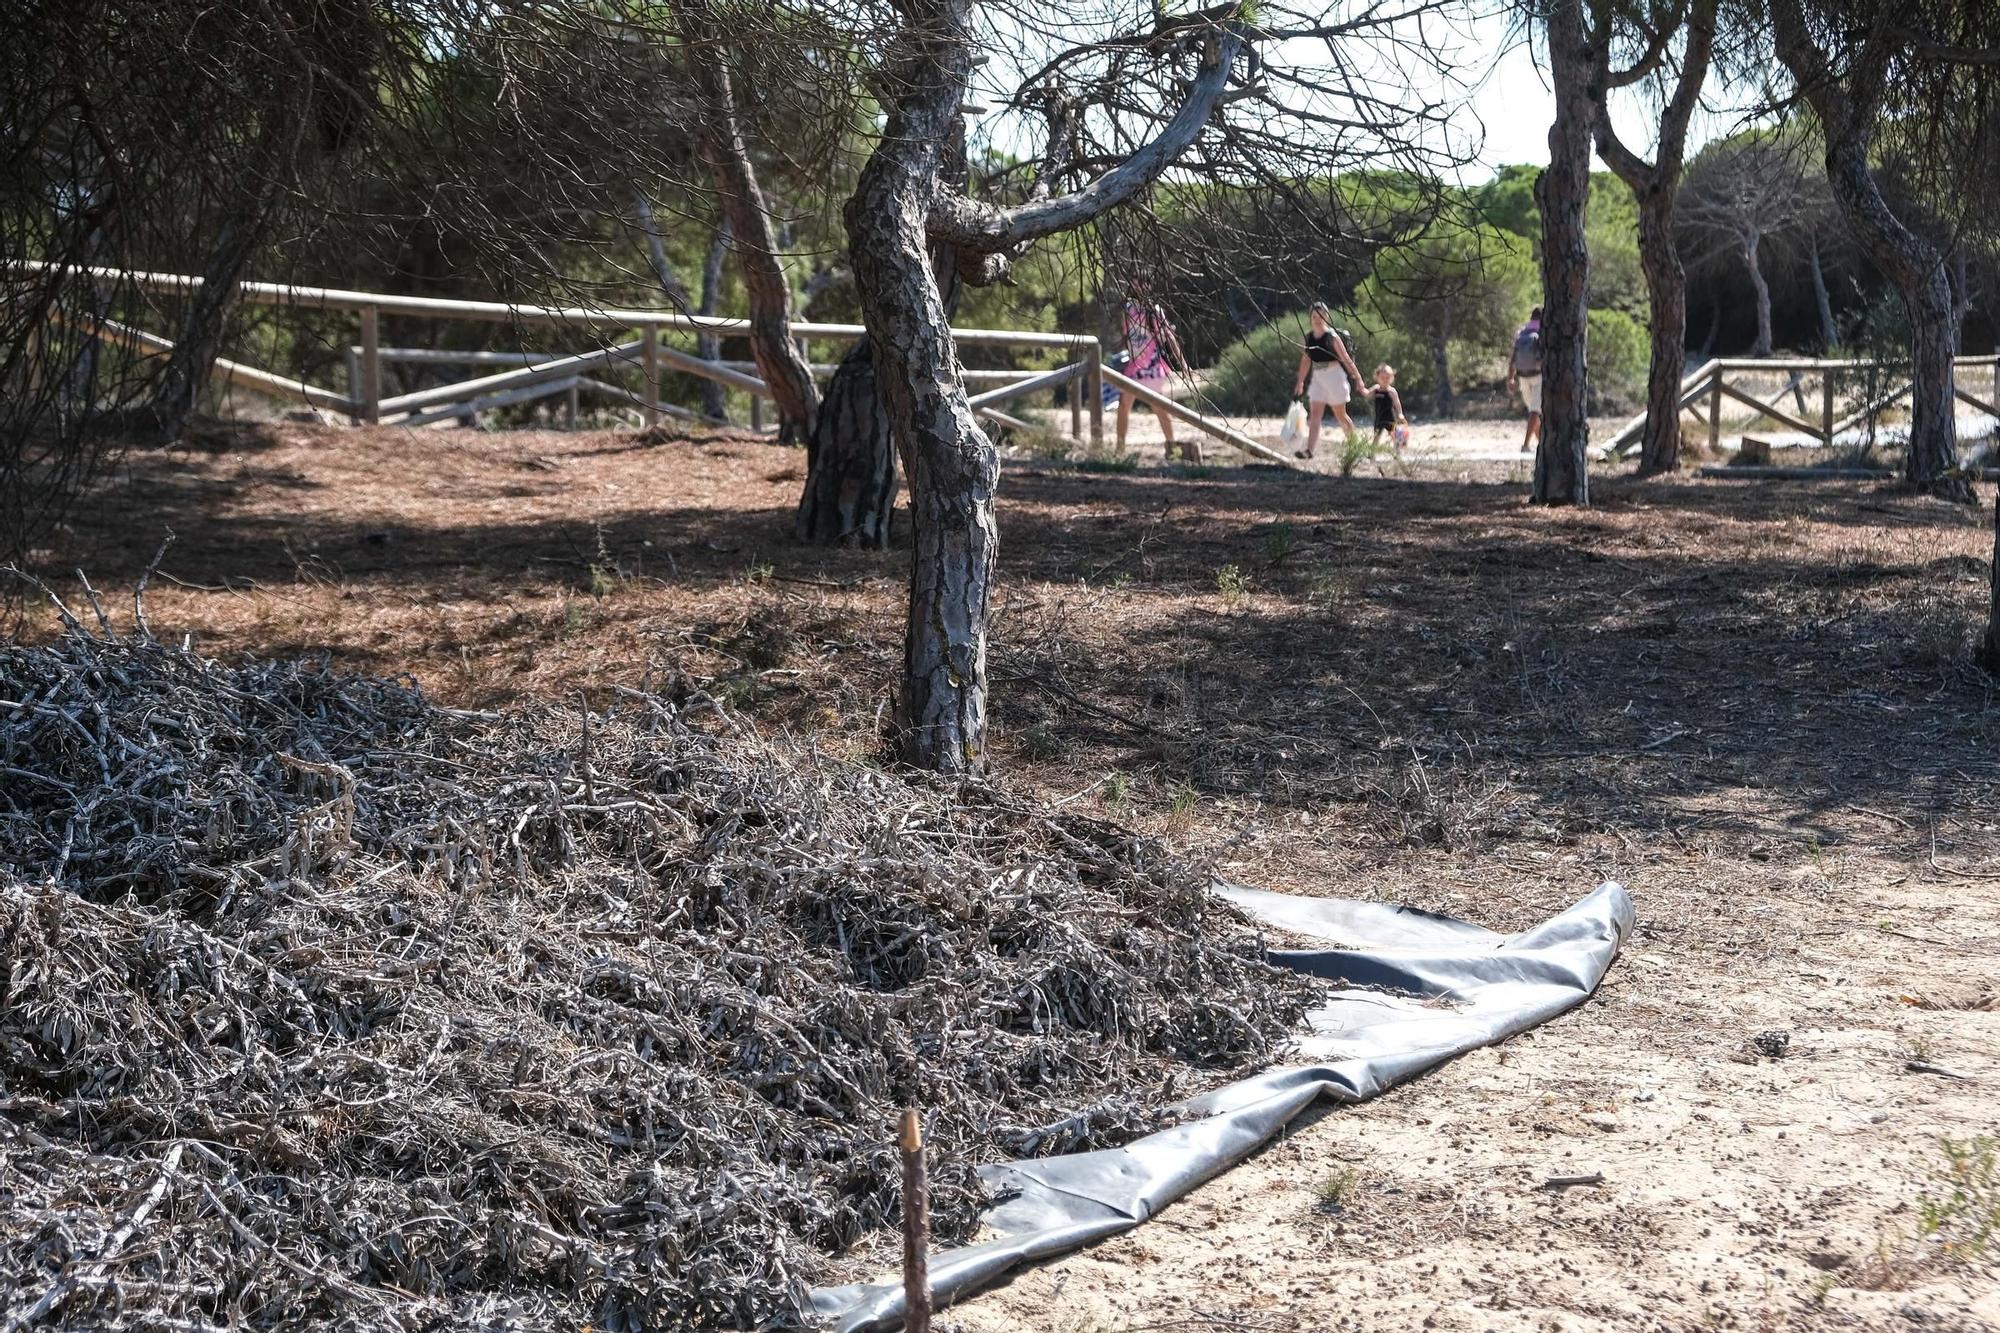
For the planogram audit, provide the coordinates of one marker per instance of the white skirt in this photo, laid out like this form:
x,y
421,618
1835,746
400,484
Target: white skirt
x,y
1329,385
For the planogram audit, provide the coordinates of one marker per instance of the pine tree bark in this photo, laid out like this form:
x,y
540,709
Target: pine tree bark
x,y
1655,189
952,467
1918,271
779,363
1849,107
1753,246
1666,297
850,491
1562,465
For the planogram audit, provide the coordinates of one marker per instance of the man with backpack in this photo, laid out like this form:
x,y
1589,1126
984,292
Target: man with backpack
x,y
1524,371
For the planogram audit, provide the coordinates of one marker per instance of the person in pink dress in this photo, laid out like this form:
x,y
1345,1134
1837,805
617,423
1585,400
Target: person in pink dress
x,y
1152,352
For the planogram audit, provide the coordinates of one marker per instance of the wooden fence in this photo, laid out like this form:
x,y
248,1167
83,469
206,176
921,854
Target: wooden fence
x,y
527,376
1704,390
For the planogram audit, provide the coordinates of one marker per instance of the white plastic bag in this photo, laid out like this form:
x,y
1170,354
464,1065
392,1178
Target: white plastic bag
x,y
1294,429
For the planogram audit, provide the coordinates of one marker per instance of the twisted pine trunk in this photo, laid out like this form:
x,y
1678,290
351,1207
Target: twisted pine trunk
x,y
952,466
783,369
1918,271
1753,250
1666,296
1562,465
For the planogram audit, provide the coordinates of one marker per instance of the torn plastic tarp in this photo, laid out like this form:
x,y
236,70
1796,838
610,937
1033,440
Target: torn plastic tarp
x,y
1385,1025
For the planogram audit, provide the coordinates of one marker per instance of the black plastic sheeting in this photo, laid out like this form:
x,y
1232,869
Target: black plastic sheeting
x,y
1416,990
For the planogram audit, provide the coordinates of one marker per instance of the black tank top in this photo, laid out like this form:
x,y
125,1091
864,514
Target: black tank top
x,y
1385,414
1319,346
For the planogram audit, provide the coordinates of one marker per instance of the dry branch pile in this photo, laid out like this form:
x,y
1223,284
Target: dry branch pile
x,y
323,1007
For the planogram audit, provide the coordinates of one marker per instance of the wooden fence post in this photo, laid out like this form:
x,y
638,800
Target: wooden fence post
x,y
652,364
1826,405
1093,392
1715,412
756,412
371,366
1076,408
916,1228
569,407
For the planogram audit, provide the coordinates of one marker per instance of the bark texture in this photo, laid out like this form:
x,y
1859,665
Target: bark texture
x,y
1753,260
1562,464
1849,106
1655,188
952,466
756,244
850,490
1666,297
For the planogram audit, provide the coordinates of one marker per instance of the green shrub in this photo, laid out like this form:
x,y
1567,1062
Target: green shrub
x,y
1619,353
1254,374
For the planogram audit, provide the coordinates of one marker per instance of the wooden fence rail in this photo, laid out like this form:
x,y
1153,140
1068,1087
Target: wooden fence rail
x,y
1710,382
365,402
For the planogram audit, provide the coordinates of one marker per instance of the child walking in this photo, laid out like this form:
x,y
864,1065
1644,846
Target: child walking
x,y
1389,410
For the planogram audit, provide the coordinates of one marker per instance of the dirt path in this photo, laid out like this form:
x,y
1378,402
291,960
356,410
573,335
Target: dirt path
x,y
1752,705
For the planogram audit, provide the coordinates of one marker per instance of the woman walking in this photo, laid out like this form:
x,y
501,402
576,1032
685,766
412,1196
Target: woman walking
x,y
1151,351
1321,364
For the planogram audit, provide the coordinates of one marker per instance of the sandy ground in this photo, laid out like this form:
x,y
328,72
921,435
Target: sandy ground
x,y
1754,705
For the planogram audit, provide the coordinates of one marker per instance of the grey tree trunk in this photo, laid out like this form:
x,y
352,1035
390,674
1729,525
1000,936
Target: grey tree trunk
x,y
783,369
1666,296
952,466
192,361
1562,465
1918,271
1849,107
1829,332
713,401
1753,245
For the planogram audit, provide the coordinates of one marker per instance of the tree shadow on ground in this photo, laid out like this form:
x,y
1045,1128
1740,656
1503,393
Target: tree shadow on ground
x,y
1433,663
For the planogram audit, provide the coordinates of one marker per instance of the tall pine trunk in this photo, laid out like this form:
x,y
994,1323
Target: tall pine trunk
x,y
1918,271
1666,296
1562,465
952,467
1753,246
783,369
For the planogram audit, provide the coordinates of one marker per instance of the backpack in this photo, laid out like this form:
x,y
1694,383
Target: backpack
x,y
1347,341
1528,352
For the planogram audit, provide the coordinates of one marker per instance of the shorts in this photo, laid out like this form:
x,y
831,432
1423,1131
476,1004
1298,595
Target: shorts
x,y
1531,392
1329,385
